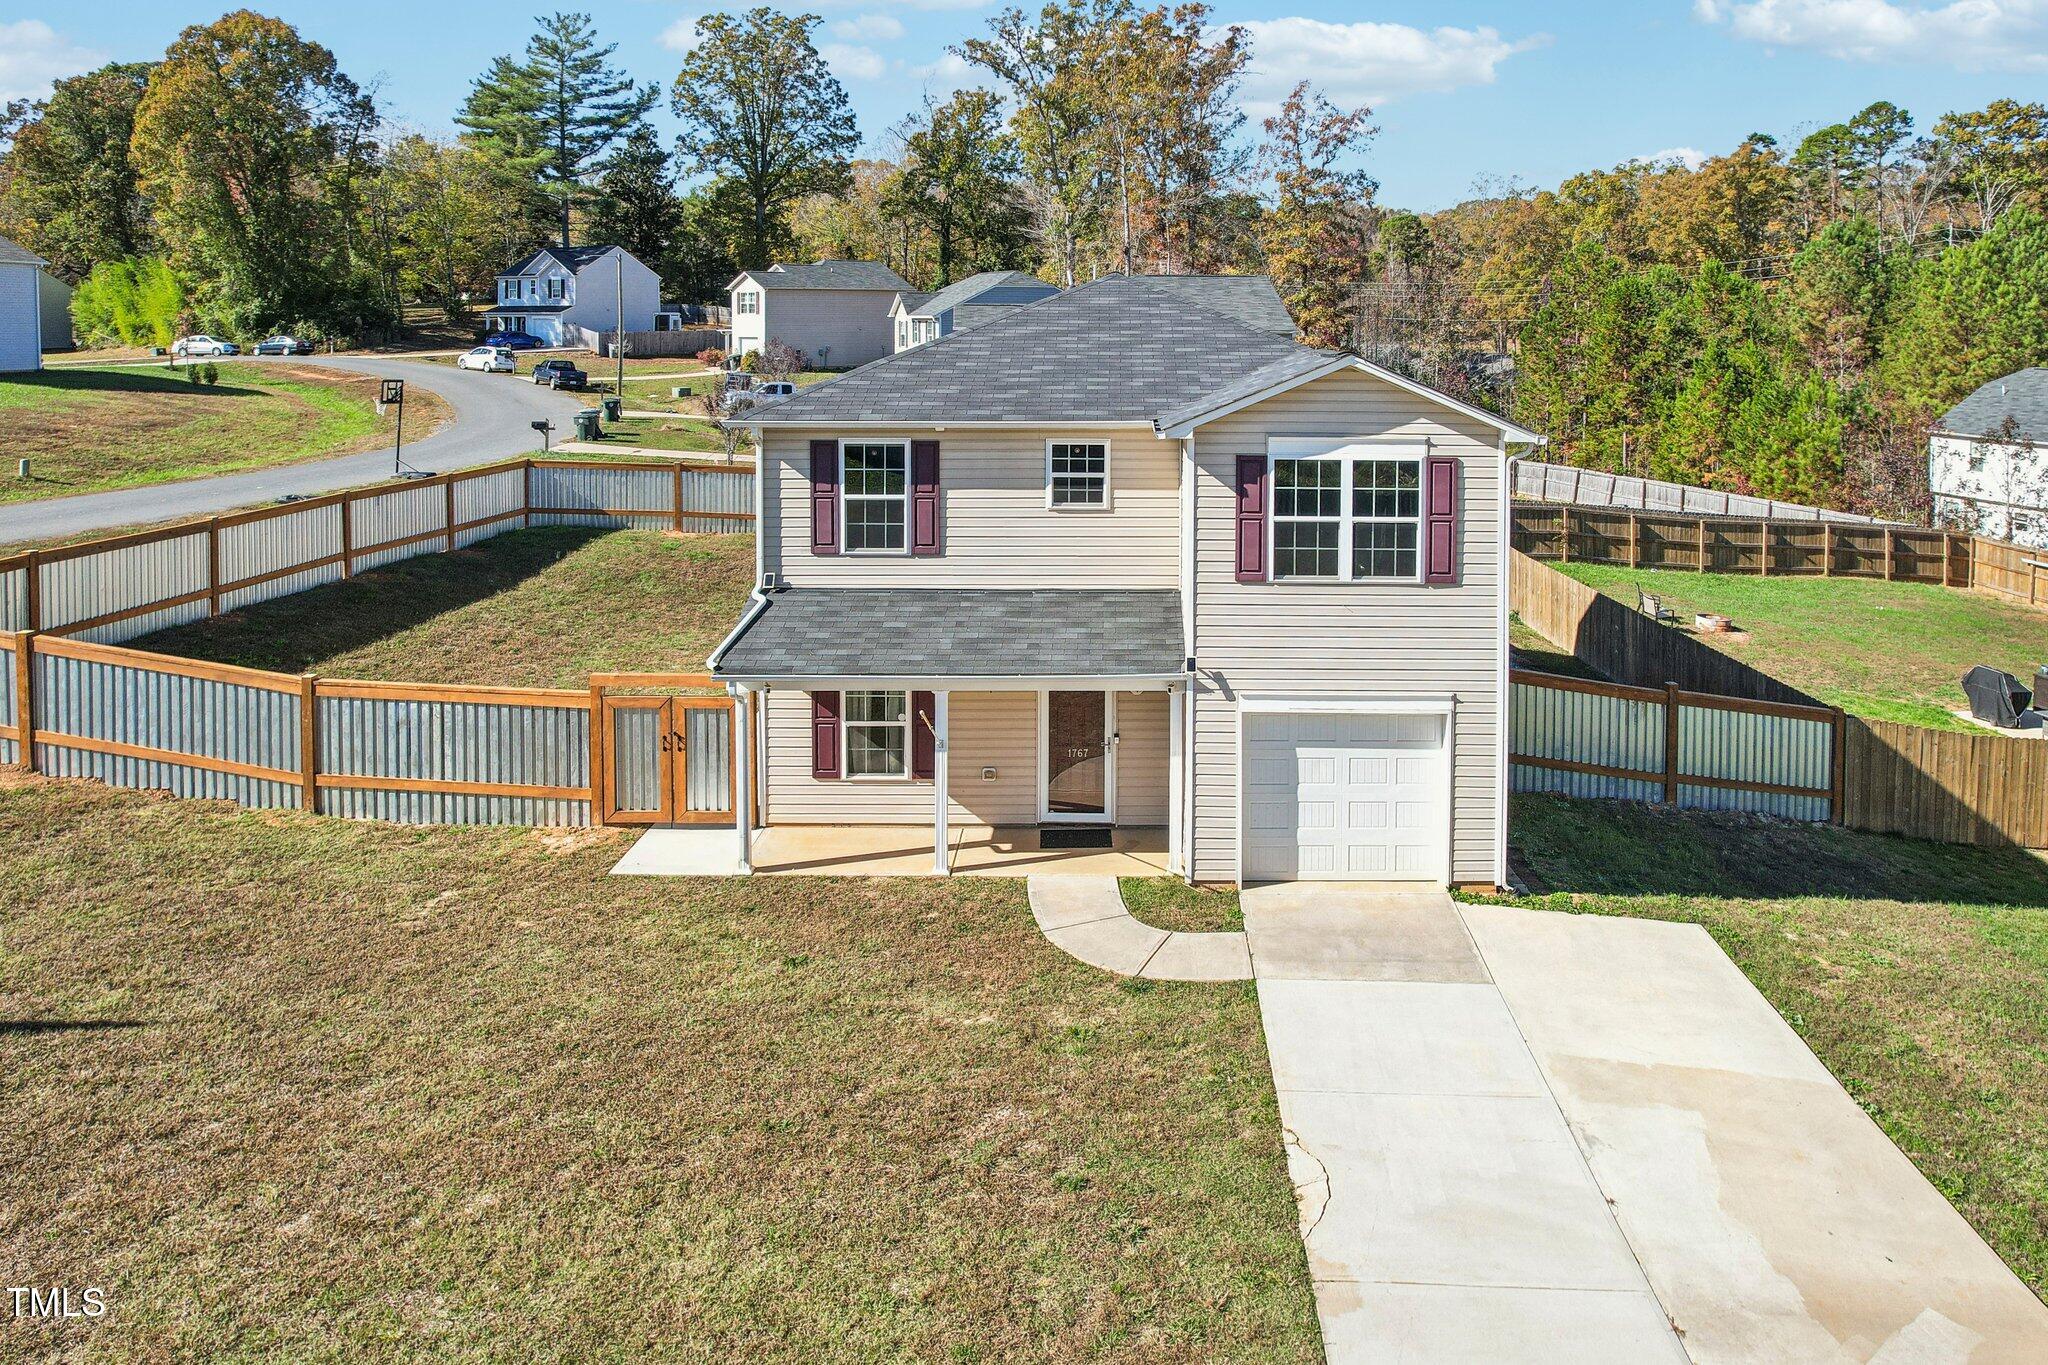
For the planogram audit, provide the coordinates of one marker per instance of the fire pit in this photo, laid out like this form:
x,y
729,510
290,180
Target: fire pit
x,y
1711,623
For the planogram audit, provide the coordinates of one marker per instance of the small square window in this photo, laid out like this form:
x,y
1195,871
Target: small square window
x,y
1078,474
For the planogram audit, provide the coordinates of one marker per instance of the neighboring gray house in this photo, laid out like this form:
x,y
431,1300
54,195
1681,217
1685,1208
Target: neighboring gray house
x,y
1987,461
56,306
21,309
919,318
569,296
835,312
1130,557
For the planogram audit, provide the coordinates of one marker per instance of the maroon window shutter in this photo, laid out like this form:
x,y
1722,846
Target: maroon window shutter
x,y
924,497
825,499
1251,518
825,711
923,743
1440,486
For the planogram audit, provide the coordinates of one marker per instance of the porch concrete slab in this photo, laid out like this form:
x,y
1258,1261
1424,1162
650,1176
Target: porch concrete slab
x,y
1120,945
1452,1189
1458,1324
1357,931
682,853
1395,1038
1774,1219
976,850
1200,957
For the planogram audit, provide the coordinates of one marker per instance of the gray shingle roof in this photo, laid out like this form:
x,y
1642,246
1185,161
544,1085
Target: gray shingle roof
x,y
1120,349
1009,286
960,633
1250,383
11,254
909,300
2022,396
1250,299
572,258
827,275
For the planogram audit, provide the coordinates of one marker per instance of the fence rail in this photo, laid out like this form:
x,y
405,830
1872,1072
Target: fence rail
x,y
118,587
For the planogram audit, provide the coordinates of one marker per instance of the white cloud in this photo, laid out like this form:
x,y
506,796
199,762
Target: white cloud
x,y
1692,158
868,28
679,36
849,60
1971,35
950,73
1370,63
32,55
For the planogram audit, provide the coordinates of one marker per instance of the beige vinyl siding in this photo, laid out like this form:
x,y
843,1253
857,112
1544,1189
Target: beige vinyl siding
x,y
996,530
853,323
1359,638
1141,758
984,729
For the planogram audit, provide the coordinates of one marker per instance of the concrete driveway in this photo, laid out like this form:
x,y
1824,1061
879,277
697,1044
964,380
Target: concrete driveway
x,y
493,414
1522,1136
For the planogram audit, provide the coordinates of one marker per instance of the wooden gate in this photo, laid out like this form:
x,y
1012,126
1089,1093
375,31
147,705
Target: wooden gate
x,y
659,756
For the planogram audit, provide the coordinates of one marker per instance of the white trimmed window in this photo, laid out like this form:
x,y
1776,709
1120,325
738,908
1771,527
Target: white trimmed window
x,y
902,333
554,286
1347,518
877,731
1077,474
749,301
874,493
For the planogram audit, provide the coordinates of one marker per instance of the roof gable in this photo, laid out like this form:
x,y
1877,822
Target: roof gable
x,y
12,254
2021,397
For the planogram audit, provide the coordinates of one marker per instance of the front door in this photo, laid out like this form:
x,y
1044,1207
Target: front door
x,y
1080,783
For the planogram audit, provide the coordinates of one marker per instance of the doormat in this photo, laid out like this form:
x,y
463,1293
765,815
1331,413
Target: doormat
x,y
1074,836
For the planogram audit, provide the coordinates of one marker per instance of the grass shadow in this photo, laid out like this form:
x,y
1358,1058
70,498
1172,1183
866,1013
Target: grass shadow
x,y
144,381
10,1028
287,634
1628,849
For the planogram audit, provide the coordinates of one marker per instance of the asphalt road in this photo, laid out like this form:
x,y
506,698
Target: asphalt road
x,y
494,414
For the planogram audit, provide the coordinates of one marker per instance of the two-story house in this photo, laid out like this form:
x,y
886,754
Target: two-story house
x,y
835,312
919,318
1123,559
568,296
1987,461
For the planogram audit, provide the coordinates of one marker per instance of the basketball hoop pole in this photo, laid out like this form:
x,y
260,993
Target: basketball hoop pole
x,y
391,393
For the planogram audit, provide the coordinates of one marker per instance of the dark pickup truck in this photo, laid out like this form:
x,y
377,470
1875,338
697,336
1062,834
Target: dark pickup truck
x,y
560,374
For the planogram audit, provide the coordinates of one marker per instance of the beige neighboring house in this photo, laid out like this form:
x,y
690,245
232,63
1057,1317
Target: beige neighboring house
x,y
21,309
918,318
1131,559
835,312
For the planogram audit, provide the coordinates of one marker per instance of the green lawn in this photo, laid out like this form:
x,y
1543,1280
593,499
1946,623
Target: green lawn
x,y
1888,651
665,433
1915,971
1532,651
293,1088
545,607
1170,903
89,428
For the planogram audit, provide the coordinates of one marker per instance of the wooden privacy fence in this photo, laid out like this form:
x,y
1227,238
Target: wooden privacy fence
x,y
1686,749
1734,545
119,587
415,753
1946,785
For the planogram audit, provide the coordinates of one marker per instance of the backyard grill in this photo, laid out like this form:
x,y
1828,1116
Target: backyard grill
x,y
1996,698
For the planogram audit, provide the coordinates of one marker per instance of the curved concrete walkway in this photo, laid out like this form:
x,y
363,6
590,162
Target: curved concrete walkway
x,y
1086,918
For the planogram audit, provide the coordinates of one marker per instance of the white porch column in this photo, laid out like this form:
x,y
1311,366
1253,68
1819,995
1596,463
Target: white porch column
x,y
742,771
1176,777
942,862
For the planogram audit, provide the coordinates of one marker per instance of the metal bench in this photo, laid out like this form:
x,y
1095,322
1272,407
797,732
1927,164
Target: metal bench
x,y
1652,606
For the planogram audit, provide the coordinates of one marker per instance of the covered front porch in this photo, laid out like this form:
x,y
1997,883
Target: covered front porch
x,y
891,851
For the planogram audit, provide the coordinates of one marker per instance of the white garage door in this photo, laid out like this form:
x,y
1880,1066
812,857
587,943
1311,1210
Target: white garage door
x,y
1345,797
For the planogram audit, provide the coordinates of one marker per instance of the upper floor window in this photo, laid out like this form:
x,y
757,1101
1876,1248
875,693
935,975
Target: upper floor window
x,y
1077,474
1347,519
902,333
749,301
555,283
875,490
877,730
923,329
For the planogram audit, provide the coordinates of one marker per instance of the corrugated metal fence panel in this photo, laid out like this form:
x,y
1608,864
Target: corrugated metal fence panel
x,y
707,758
396,515
493,495
1782,751
636,759
1582,727
251,548
706,490
10,750
568,496
156,710
121,579
543,746
14,599
1537,481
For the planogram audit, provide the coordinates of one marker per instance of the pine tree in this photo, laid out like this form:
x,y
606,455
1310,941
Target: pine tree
x,y
554,115
635,204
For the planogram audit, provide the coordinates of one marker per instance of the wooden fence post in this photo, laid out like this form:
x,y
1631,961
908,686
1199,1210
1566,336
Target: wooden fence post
x,y
1763,548
1888,554
213,566
1635,541
679,499
1703,544
34,569
1838,767
309,743
1564,539
25,697
1827,549
1671,743
348,538
449,488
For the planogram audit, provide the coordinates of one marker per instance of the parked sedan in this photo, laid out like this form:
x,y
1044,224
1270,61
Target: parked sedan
x,y
186,347
518,341
284,345
491,359
560,374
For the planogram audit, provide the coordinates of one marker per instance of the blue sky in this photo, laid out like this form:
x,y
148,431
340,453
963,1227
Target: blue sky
x,y
1533,91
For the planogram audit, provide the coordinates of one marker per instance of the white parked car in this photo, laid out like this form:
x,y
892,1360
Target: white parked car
x,y
203,345
493,359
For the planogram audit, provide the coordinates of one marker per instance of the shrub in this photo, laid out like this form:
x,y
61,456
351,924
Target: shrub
x,y
132,302
780,360
212,373
192,375
711,357
751,362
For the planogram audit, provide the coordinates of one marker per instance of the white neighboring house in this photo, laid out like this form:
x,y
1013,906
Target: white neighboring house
x,y
919,318
21,309
1987,461
835,312
560,294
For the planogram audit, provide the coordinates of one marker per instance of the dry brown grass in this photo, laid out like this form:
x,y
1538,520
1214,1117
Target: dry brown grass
x,y
292,1088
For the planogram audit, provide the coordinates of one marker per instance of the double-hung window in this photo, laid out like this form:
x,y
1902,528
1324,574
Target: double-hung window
x,y
1347,516
554,286
875,488
877,729
749,301
1077,474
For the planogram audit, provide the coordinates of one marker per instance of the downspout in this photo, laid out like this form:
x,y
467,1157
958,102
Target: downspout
x,y
1502,686
1188,562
